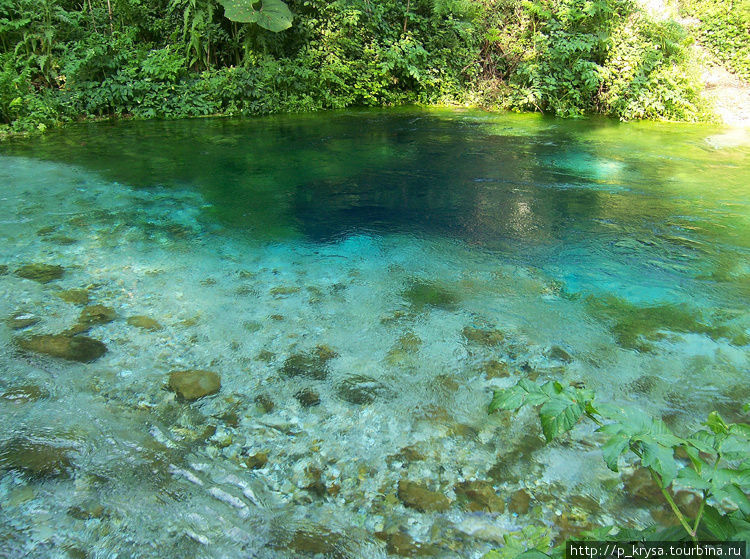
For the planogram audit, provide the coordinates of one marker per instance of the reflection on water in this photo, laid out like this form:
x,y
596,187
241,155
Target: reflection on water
x,y
359,282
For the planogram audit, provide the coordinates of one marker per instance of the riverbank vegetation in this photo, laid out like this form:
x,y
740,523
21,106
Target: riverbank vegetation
x,y
62,60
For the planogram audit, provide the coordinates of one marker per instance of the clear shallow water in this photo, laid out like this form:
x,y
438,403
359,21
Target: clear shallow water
x,y
614,255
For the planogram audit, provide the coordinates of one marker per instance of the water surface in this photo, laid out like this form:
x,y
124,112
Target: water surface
x,y
396,265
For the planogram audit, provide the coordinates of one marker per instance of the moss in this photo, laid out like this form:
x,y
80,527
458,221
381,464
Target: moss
x,y
634,326
43,273
423,293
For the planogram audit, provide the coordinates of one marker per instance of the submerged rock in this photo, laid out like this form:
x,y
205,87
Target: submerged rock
x,y
479,496
75,296
194,383
308,397
314,539
416,496
559,354
3,269
264,402
495,369
257,460
96,314
265,355
311,365
409,342
87,510
65,346
43,273
642,487
520,502
402,544
361,390
423,293
35,458
144,322
407,454
25,393
487,338
20,320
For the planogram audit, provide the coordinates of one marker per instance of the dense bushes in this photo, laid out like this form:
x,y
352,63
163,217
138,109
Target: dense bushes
x,y
570,57
61,60
725,29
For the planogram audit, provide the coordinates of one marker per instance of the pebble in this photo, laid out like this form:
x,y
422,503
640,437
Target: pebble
x,y
194,383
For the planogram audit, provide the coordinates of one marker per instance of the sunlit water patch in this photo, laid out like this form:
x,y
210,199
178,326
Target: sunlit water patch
x,y
278,337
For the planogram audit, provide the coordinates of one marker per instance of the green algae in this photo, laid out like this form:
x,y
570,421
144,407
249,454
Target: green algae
x,y
637,326
422,294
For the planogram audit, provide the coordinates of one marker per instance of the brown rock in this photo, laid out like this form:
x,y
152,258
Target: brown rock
x,y
65,346
417,496
495,369
488,338
314,539
144,322
194,383
24,393
43,273
559,354
520,502
402,544
479,496
308,397
86,511
642,487
75,296
35,458
96,314
257,460
265,403
20,320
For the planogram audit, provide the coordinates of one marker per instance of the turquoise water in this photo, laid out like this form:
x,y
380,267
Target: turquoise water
x,y
396,265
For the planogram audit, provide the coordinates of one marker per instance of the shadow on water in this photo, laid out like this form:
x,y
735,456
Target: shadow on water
x,y
591,197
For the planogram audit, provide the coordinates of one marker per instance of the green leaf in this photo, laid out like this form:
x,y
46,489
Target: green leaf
x,y
508,399
273,15
741,429
533,554
691,479
716,423
717,524
703,441
559,415
613,448
695,458
737,496
660,459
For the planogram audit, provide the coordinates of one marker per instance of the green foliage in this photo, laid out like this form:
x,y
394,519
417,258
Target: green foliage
x,y
725,29
718,466
570,57
273,15
63,60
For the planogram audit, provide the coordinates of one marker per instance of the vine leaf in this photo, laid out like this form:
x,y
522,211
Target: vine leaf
x,y
273,15
660,459
559,414
613,448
